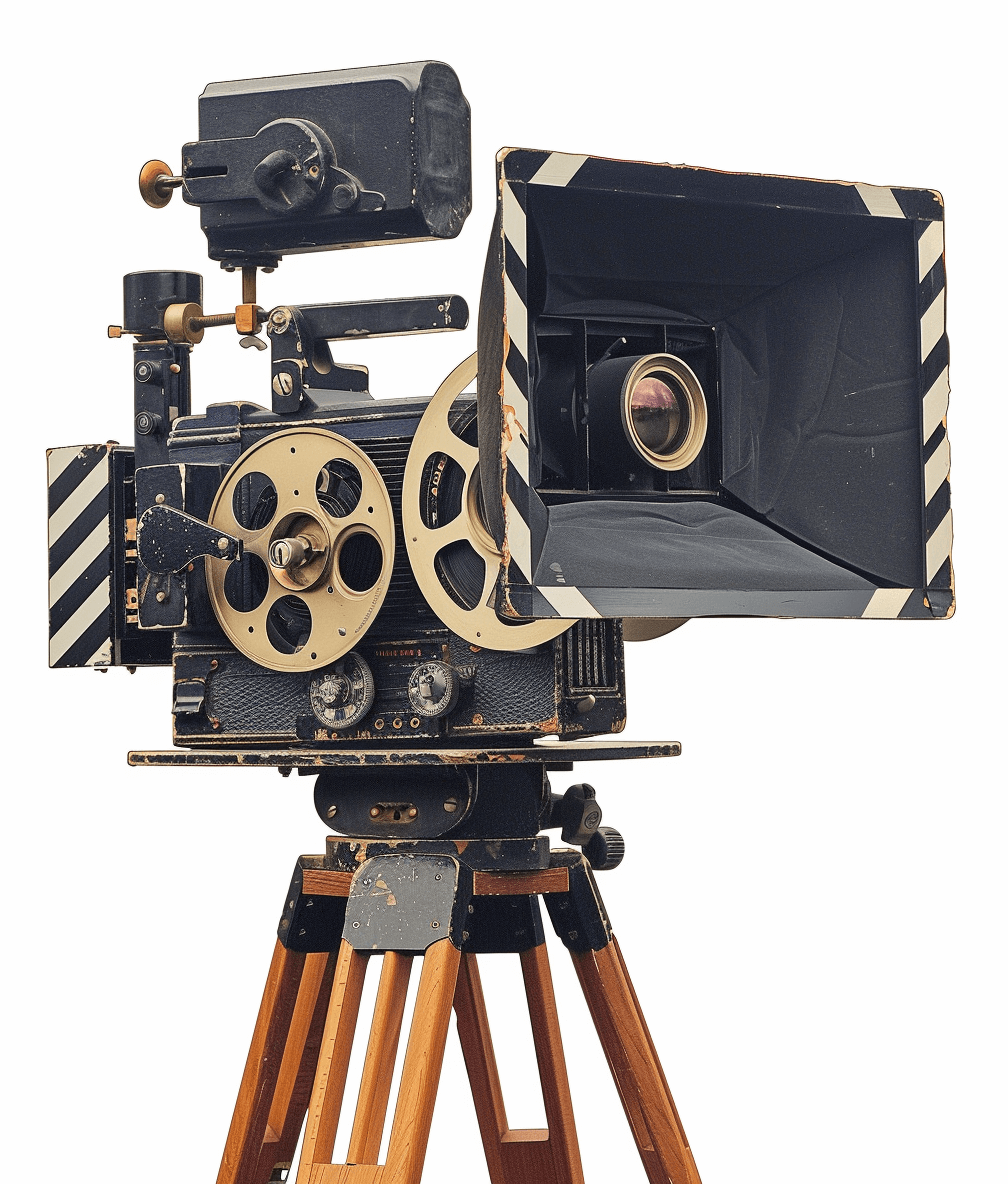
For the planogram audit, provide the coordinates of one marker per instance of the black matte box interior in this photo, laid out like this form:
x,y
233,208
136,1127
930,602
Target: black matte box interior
x,y
801,325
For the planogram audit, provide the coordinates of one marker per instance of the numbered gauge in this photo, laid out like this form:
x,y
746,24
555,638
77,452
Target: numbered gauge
x,y
343,695
433,689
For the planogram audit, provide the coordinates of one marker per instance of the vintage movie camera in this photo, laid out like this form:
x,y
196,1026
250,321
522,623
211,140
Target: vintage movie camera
x,y
698,393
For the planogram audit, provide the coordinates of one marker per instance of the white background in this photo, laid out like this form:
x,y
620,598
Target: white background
x,y
812,903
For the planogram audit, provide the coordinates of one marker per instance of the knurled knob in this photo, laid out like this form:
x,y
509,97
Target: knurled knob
x,y
605,849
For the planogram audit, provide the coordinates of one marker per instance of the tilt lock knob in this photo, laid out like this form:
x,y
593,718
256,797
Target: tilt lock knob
x,y
605,849
578,814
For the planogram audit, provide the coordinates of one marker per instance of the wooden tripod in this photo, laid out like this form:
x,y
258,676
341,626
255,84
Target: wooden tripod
x,y
300,1053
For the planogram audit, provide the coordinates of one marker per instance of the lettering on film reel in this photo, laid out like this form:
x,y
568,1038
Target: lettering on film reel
x,y
318,538
453,555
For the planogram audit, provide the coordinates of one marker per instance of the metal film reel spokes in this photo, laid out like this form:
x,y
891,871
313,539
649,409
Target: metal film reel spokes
x,y
435,525
318,539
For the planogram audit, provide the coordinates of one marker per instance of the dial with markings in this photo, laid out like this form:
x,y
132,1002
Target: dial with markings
x,y
433,689
342,696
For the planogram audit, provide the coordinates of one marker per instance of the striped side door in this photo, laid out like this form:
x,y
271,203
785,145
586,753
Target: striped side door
x,y
80,559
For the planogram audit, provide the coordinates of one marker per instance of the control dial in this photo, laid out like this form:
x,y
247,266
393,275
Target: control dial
x,y
433,689
343,695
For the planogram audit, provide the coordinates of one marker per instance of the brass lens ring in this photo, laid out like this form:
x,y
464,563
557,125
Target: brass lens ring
x,y
664,411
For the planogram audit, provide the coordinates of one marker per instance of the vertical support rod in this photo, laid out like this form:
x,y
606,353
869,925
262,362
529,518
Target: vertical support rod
x,y
422,1067
248,285
379,1061
481,1065
563,1141
334,1061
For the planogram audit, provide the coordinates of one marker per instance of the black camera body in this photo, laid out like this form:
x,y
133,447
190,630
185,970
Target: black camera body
x,y
698,393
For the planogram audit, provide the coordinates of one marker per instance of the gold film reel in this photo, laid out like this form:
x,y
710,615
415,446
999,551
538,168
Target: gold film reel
x,y
453,556
318,536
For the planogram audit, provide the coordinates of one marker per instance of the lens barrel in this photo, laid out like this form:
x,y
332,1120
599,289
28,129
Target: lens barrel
x,y
661,407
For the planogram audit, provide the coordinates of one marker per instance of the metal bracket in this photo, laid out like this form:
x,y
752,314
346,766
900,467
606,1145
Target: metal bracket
x,y
406,902
168,540
578,915
298,337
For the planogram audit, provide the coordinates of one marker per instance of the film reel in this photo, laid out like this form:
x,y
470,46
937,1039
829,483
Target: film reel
x,y
453,556
316,524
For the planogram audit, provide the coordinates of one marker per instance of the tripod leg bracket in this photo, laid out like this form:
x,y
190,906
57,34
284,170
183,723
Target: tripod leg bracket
x,y
313,915
578,915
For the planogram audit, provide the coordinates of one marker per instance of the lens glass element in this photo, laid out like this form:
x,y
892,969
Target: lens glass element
x,y
660,413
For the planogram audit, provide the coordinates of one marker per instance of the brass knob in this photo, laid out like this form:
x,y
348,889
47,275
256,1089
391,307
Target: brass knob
x,y
157,183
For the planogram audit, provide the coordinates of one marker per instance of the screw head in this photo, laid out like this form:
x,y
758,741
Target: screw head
x,y
222,544
283,383
331,812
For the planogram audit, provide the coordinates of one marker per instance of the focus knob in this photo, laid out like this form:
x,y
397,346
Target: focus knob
x,y
433,689
606,849
343,695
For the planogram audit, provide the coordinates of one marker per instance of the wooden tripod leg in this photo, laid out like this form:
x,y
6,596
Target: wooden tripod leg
x,y
422,1066
563,1142
333,1061
635,1067
247,1134
379,1062
516,1156
297,1070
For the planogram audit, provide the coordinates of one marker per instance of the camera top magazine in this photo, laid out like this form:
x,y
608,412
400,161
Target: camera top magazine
x,y
443,544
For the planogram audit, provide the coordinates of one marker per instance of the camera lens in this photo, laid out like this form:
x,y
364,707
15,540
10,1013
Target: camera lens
x,y
664,411
657,413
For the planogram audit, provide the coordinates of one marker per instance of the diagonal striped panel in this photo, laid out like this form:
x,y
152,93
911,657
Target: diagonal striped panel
x,y
558,169
80,556
887,603
569,602
932,324
936,404
930,248
514,222
880,200
935,395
